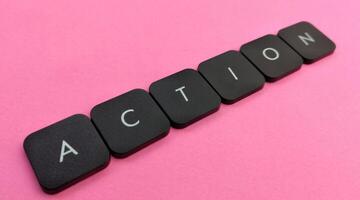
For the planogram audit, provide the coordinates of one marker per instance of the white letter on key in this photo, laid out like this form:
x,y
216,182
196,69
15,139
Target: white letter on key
x,y
126,123
273,50
182,92
64,153
306,39
232,73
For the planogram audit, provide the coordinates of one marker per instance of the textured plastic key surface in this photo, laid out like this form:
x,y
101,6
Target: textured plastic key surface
x,y
185,97
272,56
297,139
129,122
232,76
66,152
307,41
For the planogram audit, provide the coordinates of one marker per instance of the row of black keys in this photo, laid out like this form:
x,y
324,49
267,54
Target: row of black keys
x,y
69,150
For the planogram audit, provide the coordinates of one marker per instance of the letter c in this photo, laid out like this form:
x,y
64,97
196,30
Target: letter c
x,y
124,121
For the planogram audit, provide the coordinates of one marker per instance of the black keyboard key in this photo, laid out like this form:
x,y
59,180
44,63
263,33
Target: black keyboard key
x,y
130,122
66,152
232,76
185,97
272,57
307,41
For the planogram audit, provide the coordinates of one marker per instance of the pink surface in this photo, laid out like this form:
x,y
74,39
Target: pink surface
x,y
298,138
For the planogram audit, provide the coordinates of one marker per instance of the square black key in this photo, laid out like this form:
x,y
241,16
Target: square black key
x,y
130,122
185,97
232,76
66,152
272,56
307,41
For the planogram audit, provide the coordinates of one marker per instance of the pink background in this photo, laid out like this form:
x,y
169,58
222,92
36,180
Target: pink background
x,y
298,138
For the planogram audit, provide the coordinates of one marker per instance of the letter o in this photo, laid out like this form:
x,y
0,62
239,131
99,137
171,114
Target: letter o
x,y
273,50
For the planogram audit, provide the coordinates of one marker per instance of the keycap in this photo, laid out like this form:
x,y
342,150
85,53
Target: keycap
x,y
307,41
66,152
185,97
232,76
130,122
273,57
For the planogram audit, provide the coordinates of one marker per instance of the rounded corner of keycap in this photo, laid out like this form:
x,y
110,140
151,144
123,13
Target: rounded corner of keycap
x,y
270,36
27,141
189,70
229,101
93,111
79,116
139,90
50,191
122,154
333,46
106,161
152,87
231,52
179,126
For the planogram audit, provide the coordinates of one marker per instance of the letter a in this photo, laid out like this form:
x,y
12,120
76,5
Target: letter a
x,y
65,152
